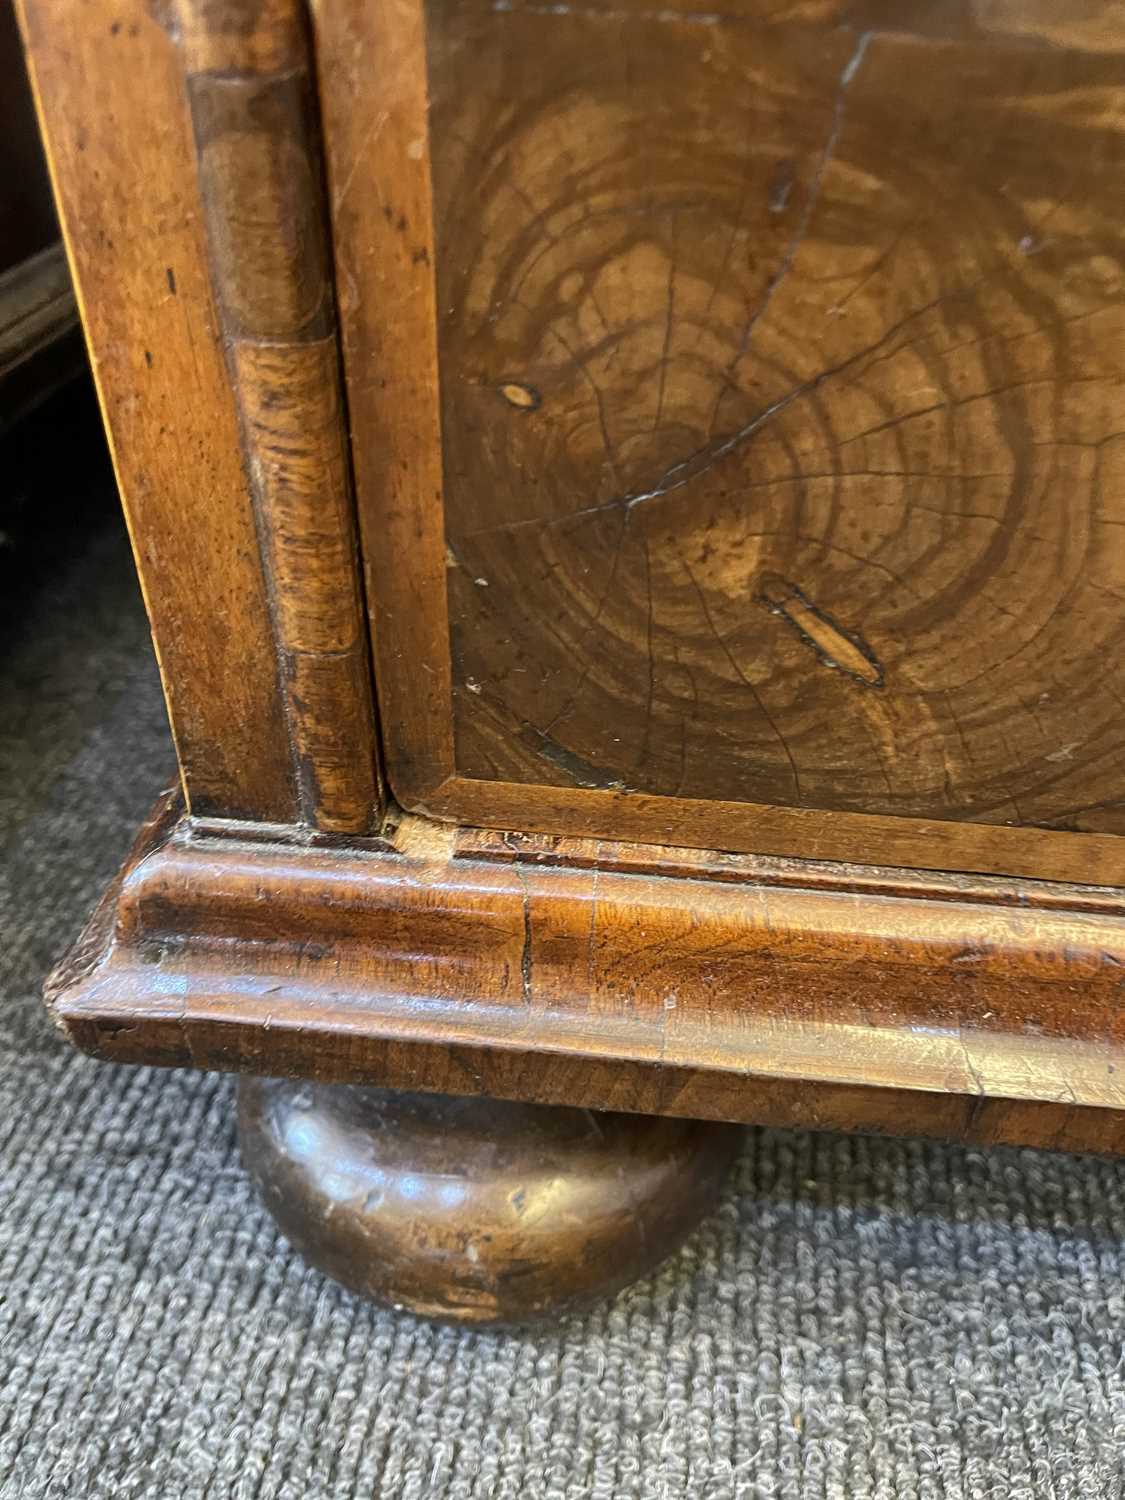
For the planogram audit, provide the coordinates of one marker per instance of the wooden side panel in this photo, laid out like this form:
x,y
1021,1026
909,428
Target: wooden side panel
x,y
251,574
111,95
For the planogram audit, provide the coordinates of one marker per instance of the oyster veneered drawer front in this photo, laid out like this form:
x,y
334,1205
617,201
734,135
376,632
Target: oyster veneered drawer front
x,y
737,406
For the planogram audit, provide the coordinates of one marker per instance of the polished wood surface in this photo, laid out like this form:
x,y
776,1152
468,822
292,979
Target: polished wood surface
x,y
186,163
616,977
115,120
254,116
373,90
779,412
479,1211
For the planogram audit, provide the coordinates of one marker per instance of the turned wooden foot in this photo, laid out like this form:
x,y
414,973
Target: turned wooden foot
x,y
476,1209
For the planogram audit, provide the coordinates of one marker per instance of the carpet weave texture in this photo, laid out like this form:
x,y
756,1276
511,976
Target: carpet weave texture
x,y
860,1319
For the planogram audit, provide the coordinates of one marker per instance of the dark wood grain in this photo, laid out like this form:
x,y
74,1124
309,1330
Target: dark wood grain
x,y
735,402
479,1211
779,415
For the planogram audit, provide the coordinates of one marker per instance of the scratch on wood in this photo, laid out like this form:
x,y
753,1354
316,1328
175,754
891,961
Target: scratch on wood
x,y
525,953
970,1065
580,771
841,650
781,187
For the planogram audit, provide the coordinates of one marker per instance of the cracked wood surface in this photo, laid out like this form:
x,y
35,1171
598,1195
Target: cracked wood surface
x,y
616,977
775,354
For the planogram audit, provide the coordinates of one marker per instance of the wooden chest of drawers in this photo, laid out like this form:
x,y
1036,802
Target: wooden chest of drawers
x,y
631,506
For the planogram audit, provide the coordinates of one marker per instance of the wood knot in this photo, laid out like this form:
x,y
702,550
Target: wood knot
x,y
842,650
522,397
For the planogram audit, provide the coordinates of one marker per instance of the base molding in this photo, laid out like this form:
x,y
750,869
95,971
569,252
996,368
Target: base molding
x,y
658,981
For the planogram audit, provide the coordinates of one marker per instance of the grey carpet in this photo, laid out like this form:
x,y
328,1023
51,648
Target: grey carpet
x,y
860,1319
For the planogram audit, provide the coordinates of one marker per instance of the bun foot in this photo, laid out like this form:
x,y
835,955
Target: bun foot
x,y
476,1210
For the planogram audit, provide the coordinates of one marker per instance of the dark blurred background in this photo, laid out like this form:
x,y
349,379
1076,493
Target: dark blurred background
x,y
56,482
